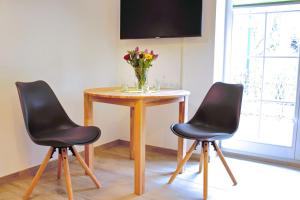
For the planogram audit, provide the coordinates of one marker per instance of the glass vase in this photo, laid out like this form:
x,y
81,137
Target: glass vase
x,y
141,75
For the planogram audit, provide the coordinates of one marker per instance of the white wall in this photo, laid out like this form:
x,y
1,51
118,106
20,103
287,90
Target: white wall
x,y
71,44
74,44
182,62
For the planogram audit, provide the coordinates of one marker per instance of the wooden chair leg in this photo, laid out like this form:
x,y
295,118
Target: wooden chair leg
x,y
67,172
205,166
38,174
59,165
220,154
184,160
86,168
201,161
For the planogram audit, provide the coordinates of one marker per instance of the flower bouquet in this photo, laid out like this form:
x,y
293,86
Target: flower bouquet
x,y
141,61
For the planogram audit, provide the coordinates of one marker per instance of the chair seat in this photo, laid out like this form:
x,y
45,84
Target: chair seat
x,y
68,137
199,132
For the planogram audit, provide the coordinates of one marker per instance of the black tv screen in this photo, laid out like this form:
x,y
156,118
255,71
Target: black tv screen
x,y
160,18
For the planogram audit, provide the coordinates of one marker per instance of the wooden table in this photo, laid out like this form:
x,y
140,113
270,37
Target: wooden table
x,y
137,103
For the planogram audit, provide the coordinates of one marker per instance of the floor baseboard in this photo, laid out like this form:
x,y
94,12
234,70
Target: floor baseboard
x,y
271,161
151,148
51,165
163,150
26,172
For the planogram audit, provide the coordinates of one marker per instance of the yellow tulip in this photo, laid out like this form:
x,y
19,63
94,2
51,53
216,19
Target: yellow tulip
x,y
148,56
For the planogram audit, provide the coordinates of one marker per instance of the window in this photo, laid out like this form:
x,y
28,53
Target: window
x,y
264,57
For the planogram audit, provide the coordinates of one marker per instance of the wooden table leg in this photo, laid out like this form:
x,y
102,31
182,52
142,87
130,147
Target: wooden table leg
x,y
88,121
183,115
139,149
89,156
131,133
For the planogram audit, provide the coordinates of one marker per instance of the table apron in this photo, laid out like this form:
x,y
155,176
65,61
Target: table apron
x,y
156,102
132,102
122,102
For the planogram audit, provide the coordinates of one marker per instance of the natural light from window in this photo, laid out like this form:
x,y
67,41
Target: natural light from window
x,y
265,58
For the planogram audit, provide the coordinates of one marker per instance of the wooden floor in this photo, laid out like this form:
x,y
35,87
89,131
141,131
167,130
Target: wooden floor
x,y
115,171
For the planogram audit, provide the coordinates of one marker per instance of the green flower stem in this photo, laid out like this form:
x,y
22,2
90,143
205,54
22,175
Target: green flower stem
x,y
141,75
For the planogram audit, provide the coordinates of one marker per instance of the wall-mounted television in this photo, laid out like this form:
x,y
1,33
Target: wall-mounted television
x,y
160,18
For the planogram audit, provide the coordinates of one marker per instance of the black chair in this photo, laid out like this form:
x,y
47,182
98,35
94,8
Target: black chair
x,y
216,119
48,124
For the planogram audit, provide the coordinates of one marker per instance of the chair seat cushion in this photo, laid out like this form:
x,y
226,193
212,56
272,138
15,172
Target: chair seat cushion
x,y
200,132
66,137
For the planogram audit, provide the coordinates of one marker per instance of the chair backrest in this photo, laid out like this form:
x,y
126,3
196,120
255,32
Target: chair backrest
x,y
41,108
221,107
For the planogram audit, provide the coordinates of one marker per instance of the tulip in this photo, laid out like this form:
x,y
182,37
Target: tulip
x,y
127,57
148,56
136,49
